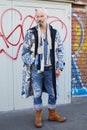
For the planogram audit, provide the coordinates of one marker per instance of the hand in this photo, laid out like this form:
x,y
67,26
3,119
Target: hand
x,y
58,72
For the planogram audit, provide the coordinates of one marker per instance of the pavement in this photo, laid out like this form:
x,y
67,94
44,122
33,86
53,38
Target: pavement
x,y
75,112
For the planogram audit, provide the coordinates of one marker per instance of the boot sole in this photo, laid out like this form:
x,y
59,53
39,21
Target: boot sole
x,y
38,126
56,120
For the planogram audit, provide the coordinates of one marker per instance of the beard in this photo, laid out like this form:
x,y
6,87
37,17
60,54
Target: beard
x,y
41,24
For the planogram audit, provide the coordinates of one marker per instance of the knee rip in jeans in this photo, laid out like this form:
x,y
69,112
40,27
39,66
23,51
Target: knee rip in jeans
x,y
37,93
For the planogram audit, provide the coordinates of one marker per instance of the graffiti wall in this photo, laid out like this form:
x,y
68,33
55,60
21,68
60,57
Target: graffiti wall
x,y
7,31
18,27
15,18
79,53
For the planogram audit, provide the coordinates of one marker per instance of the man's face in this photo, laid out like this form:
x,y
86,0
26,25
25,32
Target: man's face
x,y
41,18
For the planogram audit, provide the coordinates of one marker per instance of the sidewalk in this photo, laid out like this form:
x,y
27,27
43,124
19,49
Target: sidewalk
x,y
76,114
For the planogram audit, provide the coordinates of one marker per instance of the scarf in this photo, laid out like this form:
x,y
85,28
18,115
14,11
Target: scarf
x,y
40,50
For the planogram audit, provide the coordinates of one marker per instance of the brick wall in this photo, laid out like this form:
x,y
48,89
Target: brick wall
x,y
79,50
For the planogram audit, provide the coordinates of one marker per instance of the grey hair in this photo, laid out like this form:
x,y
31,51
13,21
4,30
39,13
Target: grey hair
x,y
42,9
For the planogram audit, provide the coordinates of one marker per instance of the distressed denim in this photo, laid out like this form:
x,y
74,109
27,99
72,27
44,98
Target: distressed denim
x,y
37,84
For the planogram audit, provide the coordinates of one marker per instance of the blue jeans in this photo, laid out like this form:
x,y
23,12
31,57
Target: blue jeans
x,y
38,79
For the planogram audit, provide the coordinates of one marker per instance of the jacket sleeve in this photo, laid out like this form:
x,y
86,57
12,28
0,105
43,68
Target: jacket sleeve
x,y
26,49
59,52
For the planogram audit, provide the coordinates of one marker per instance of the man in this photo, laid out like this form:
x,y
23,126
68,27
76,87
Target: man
x,y
43,56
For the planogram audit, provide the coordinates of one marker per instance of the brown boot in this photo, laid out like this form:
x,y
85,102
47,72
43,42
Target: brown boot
x,y
53,116
38,120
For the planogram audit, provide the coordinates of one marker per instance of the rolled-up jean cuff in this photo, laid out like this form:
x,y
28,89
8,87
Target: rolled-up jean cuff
x,y
51,106
38,106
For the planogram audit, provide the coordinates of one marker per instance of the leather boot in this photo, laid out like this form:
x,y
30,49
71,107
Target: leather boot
x,y
38,120
53,116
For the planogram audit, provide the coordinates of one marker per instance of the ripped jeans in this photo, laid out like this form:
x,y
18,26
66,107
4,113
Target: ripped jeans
x,y
38,79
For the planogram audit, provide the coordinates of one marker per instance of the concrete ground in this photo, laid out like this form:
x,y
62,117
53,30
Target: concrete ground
x,y
75,112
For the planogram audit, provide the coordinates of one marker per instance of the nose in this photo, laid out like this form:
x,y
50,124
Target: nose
x,y
39,18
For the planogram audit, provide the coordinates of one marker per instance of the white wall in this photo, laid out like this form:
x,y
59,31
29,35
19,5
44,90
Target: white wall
x,y
14,16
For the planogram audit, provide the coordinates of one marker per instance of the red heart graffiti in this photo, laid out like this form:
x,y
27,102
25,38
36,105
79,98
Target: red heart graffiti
x,y
19,28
